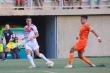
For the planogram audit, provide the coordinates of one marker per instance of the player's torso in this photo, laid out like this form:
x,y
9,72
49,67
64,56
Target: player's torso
x,y
84,32
29,32
7,33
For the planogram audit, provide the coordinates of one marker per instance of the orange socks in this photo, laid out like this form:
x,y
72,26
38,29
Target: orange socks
x,y
85,59
71,58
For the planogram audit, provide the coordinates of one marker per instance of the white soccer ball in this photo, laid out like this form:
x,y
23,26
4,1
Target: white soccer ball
x,y
50,64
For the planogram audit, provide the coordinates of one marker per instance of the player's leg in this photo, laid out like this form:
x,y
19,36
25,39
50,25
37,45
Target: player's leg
x,y
29,56
18,53
71,55
80,4
36,49
2,55
13,53
40,55
71,58
85,59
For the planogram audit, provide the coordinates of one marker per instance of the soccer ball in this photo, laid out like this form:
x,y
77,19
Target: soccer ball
x,y
50,64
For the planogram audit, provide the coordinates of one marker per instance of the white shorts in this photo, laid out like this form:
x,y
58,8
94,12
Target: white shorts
x,y
32,46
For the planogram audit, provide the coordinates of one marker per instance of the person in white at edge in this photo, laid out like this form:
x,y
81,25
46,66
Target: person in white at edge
x,y
31,45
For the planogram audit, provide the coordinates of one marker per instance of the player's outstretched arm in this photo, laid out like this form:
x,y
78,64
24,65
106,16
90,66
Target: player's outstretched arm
x,y
99,39
36,32
36,35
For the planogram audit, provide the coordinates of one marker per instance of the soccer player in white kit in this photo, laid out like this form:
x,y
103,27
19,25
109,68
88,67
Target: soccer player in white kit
x,y
31,45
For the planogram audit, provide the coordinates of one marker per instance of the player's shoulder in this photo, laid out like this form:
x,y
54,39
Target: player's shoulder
x,y
25,26
33,25
88,25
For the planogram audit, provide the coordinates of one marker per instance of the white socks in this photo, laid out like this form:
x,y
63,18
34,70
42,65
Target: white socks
x,y
43,57
31,60
40,55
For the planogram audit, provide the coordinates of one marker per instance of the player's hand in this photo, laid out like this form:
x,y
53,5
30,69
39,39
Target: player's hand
x,y
33,37
24,38
99,40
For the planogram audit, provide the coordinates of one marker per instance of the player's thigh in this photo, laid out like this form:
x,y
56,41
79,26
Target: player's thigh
x,y
73,49
36,48
28,49
80,54
37,52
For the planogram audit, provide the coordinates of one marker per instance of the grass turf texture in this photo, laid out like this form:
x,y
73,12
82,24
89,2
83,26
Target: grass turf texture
x,y
21,66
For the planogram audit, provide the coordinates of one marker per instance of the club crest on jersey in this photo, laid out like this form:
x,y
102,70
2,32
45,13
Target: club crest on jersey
x,y
28,28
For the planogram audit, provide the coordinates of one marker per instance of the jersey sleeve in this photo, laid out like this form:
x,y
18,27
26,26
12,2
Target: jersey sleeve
x,y
35,29
89,27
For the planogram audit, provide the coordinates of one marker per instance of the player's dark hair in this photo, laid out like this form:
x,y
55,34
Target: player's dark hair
x,y
28,18
84,16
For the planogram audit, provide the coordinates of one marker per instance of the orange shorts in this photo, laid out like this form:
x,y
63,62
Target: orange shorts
x,y
81,45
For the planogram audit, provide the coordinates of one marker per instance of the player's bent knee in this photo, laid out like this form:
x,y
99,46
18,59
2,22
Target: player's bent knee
x,y
37,52
40,54
28,52
72,50
81,57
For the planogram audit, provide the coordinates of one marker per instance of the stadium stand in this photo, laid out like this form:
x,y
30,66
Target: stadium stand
x,y
54,13
56,7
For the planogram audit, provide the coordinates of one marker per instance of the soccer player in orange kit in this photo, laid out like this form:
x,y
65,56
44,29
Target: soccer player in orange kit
x,y
81,43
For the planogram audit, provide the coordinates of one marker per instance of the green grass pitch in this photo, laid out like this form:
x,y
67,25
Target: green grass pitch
x,y
21,66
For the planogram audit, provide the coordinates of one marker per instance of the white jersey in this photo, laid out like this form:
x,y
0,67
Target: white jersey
x,y
30,31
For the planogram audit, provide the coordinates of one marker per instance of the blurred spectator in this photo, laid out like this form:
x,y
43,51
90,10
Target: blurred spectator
x,y
7,33
20,2
80,4
15,51
71,2
30,3
94,2
39,2
98,2
1,2
2,55
56,2
67,3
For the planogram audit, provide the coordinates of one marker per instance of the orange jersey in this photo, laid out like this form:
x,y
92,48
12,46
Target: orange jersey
x,y
83,36
84,31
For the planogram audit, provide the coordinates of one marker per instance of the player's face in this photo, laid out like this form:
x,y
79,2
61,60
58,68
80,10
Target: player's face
x,y
29,21
83,20
7,26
